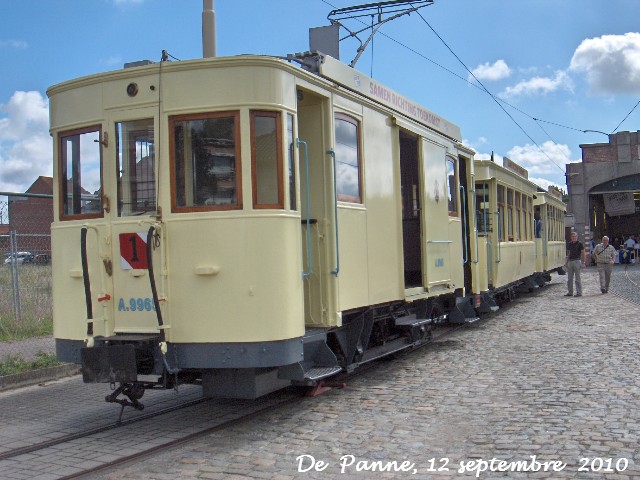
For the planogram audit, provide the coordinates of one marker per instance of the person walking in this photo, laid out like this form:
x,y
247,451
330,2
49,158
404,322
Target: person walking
x,y
575,261
604,255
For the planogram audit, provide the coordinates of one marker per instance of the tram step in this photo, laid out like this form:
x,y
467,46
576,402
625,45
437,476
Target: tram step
x,y
318,373
411,321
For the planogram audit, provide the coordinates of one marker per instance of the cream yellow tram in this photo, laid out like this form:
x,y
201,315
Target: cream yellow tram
x,y
245,223
550,240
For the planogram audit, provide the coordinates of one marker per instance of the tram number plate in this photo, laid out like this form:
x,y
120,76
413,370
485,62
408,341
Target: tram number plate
x,y
133,251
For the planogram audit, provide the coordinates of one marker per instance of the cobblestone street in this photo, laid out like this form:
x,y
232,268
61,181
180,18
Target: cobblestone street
x,y
549,382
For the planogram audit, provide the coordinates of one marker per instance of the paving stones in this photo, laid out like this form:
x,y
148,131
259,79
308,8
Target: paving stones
x,y
548,381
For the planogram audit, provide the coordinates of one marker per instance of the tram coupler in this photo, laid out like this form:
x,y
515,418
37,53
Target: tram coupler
x,y
134,392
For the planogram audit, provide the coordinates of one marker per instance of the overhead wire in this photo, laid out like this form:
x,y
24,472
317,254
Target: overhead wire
x,y
634,107
488,92
479,85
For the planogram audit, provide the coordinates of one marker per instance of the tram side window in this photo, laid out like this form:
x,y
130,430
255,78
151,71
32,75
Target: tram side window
x,y
452,187
135,165
526,220
80,172
291,163
483,215
530,217
501,212
510,214
347,152
518,225
554,234
537,217
205,153
266,160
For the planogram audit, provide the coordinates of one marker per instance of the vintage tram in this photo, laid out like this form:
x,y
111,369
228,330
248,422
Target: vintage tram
x,y
248,223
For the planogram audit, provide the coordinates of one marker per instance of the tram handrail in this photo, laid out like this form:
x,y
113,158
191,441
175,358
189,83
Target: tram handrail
x,y
336,270
475,209
85,278
465,219
499,239
307,273
152,282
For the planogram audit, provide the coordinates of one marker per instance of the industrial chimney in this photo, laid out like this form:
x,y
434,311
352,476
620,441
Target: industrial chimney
x,y
208,29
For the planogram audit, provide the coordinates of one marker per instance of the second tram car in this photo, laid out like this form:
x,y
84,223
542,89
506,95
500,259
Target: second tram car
x,y
250,222
551,246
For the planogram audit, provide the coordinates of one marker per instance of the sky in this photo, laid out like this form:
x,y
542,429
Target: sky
x,y
523,79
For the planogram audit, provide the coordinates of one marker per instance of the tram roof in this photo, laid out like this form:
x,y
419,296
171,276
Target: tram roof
x,y
328,69
368,87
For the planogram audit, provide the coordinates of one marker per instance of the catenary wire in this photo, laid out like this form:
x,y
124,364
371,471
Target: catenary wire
x,y
487,91
634,107
484,90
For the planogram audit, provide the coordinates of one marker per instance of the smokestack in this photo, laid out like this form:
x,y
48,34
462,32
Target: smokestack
x,y
208,29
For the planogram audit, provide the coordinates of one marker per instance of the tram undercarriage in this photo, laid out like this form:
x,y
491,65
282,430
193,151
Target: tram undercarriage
x,y
137,362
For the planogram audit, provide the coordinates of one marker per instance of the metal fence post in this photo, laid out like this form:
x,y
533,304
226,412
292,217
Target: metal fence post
x,y
15,275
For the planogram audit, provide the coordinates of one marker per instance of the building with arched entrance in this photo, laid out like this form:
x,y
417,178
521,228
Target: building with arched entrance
x,y
604,189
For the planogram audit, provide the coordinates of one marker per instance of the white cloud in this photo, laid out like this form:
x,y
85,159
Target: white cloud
x,y
546,165
477,144
492,72
25,143
487,156
549,159
611,63
540,85
113,61
18,44
546,183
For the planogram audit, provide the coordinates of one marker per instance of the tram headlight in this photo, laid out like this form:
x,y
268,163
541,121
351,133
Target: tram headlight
x,y
132,89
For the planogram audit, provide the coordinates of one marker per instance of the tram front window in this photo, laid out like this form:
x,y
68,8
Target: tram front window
x,y
136,167
266,161
80,166
204,151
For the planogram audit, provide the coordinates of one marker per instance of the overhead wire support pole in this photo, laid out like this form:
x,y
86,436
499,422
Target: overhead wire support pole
x,y
396,7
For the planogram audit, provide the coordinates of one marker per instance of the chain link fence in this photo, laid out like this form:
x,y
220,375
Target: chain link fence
x,y
26,323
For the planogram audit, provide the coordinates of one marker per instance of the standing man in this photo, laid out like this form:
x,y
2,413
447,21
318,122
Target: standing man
x,y
604,255
575,261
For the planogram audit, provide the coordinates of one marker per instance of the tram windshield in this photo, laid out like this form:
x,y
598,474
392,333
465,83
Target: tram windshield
x,y
205,150
80,165
136,167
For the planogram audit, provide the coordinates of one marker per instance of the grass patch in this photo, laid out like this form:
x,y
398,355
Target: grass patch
x,y
12,364
35,303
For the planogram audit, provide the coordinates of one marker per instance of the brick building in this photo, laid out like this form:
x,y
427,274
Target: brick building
x,y
604,189
31,217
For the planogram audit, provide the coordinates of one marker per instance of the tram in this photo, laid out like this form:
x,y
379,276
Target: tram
x,y
248,223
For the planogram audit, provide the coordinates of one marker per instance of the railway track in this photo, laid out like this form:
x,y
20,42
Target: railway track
x,y
93,431
83,453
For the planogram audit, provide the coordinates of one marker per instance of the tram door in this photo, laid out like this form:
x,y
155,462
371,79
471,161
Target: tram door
x,y
466,225
133,150
437,231
411,210
314,169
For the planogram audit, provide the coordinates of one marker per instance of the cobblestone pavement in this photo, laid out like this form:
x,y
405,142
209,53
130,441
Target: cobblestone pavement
x,y
548,381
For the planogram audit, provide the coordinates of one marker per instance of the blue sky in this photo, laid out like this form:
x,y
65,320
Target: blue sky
x,y
561,66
